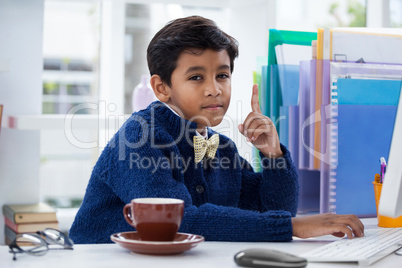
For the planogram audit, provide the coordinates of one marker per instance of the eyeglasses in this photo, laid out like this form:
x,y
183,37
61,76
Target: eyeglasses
x,y
37,244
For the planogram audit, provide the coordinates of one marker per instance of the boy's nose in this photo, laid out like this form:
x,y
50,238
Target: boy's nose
x,y
212,89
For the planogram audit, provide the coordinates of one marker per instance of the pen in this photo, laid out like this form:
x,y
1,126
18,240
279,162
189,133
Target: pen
x,y
383,169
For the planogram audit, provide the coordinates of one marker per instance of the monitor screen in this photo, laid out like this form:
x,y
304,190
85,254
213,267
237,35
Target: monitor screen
x,y
391,195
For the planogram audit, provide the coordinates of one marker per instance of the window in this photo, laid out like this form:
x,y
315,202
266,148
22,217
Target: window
x,y
395,9
70,77
308,15
71,55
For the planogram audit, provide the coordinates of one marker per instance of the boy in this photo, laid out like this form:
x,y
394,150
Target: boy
x,y
156,153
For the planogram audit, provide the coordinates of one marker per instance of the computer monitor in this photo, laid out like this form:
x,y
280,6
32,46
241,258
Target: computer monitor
x,y
391,194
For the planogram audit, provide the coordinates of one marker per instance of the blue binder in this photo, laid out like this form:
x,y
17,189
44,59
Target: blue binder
x,y
366,114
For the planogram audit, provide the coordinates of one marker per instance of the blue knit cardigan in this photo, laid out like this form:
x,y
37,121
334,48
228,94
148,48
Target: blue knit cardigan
x,y
152,155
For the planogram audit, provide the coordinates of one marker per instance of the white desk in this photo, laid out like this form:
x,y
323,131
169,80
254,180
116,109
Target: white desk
x,y
207,254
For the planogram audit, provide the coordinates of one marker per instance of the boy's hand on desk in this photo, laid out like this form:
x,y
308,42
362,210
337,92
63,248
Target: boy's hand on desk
x,y
327,224
260,130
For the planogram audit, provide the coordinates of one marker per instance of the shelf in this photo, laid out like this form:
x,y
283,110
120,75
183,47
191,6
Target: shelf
x,y
68,99
68,76
61,121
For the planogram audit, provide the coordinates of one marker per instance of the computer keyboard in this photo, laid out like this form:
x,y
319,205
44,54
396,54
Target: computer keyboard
x,y
376,244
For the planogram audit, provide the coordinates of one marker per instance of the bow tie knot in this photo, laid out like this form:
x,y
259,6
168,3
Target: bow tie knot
x,y
203,147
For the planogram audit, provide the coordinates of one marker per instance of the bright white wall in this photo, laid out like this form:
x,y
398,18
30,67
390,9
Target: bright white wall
x,y
21,24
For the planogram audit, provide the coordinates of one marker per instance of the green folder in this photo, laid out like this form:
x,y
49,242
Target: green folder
x,y
279,37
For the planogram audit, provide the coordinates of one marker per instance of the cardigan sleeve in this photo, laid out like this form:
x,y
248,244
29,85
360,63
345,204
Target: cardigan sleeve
x,y
275,188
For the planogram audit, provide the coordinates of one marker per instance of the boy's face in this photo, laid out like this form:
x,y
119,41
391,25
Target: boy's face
x,y
201,87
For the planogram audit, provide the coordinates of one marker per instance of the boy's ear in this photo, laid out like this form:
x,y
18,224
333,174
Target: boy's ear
x,y
160,88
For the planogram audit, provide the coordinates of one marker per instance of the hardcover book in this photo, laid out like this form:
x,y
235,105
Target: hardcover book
x,y
29,227
30,213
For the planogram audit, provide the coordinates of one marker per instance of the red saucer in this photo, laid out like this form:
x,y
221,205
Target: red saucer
x,y
131,241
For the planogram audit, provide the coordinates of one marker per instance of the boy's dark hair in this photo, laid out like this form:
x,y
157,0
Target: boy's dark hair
x,y
186,33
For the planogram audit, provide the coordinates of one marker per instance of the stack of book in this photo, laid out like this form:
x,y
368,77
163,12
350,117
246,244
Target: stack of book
x,y
25,218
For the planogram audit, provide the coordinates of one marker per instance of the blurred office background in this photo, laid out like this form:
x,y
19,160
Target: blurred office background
x,y
94,52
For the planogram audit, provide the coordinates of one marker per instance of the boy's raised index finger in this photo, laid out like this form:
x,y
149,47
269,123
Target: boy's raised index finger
x,y
255,103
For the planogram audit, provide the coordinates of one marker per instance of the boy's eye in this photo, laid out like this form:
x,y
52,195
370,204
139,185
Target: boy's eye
x,y
195,77
223,76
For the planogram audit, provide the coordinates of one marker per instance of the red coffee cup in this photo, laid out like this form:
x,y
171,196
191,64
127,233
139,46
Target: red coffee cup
x,y
156,219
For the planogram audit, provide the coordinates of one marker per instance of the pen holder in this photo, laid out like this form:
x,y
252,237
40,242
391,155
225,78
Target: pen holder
x,y
384,221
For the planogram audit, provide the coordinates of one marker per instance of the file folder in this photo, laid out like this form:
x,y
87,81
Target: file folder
x,y
367,45
366,110
289,83
284,125
304,112
309,180
279,37
311,119
274,94
329,157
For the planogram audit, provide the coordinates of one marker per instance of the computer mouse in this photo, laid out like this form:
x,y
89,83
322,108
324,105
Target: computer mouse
x,y
264,258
